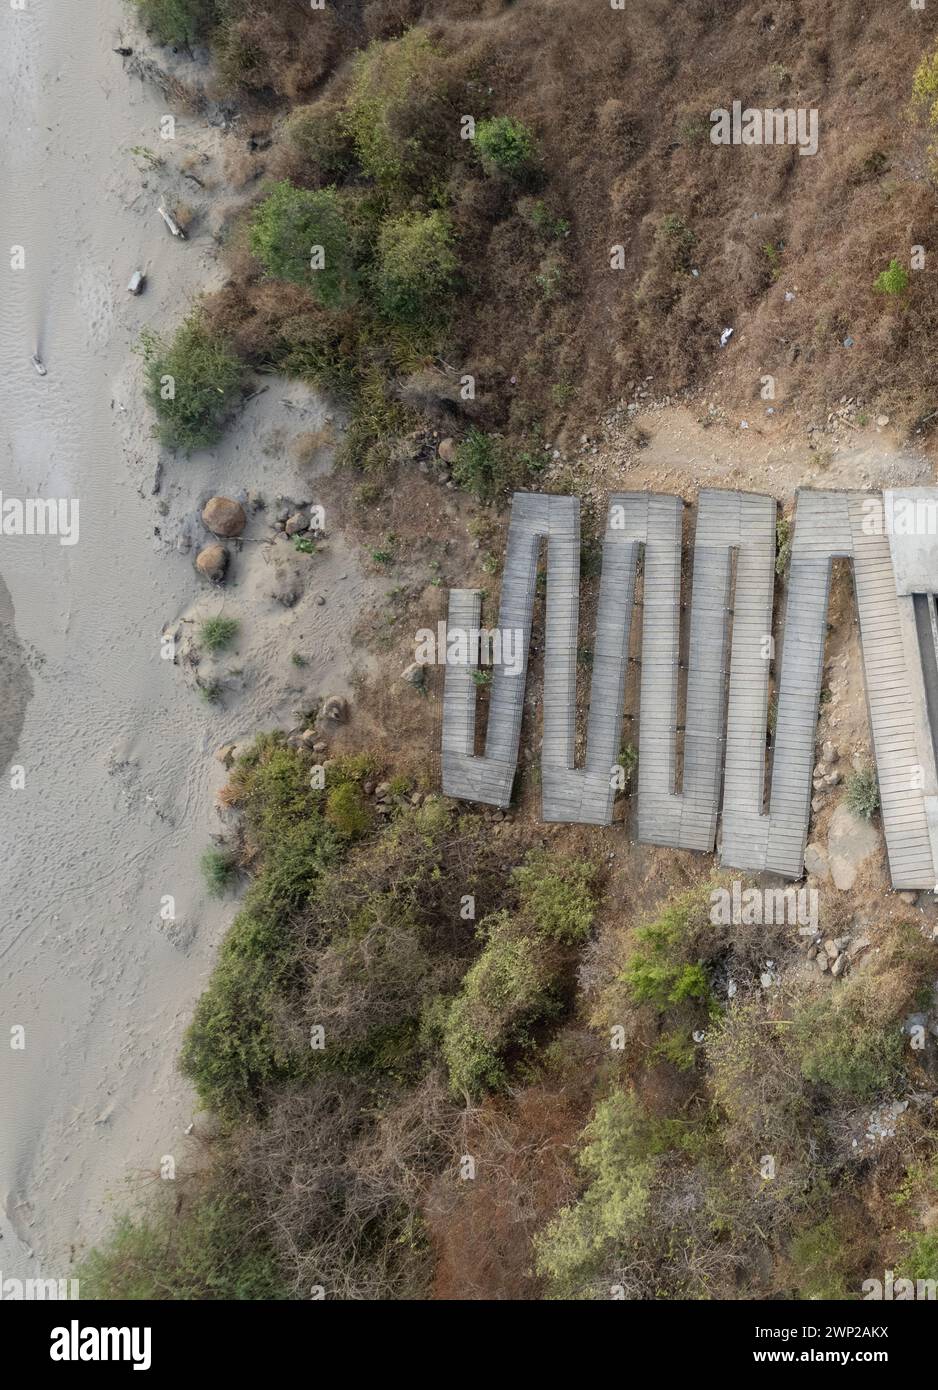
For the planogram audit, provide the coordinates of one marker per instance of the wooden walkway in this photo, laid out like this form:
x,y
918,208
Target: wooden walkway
x,y
729,524
890,700
830,525
729,653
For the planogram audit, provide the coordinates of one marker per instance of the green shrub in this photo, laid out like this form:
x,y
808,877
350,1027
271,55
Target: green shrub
x,y
619,1153
920,1258
192,383
217,633
177,21
754,1076
541,217
480,465
286,228
234,1046
676,1047
507,989
844,1043
819,1261
556,895
217,866
378,421
348,811
893,281
393,115
505,146
662,970
863,794
416,265
925,86
203,1248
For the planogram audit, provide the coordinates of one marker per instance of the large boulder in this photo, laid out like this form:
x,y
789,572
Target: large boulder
x,y
816,861
850,843
212,562
224,516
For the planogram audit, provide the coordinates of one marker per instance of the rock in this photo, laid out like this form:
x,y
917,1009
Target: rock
x,y
310,737
320,747
822,962
382,789
882,421
320,600
858,945
335,709
907,897
212,562
224,516
817,804
850,842
368,788
812,951
828,753
831,948
815,861
840,965
296,523
833,779
225,754
447,450
414,674
287,594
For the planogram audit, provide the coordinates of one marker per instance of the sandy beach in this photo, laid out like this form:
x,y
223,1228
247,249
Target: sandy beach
x,y
117,799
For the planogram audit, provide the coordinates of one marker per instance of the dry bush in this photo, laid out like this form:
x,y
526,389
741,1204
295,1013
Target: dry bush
x,y
482,1229
241,164
280,49
311,443
338,1182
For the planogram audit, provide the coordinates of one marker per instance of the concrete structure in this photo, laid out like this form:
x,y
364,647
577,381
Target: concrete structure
x,y
729,655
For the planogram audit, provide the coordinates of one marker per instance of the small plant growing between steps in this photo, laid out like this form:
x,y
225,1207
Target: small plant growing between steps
x,y
863,794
